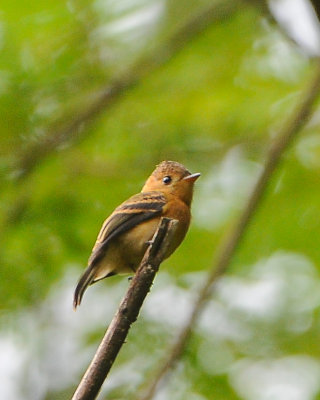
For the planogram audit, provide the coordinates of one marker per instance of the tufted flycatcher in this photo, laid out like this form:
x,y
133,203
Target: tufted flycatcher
x,y
124,236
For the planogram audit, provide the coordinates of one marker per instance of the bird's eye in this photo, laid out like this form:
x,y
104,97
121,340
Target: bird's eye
x,y
166,180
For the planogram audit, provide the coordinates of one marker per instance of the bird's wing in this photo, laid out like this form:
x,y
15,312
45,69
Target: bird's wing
x,y
138,208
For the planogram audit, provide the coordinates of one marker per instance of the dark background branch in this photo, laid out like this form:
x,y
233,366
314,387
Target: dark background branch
x,y
228,247
72,131
316,6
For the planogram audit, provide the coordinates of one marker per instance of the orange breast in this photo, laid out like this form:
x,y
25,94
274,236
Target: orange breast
x,y
178,210
125,252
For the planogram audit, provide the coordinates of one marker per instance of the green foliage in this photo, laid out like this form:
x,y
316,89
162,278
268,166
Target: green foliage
x,y
213,106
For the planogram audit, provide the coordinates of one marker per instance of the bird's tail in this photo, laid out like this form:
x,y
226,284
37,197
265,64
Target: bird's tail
x,y
86,279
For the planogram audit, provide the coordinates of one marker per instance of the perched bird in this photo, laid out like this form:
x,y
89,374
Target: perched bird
x,y
124,236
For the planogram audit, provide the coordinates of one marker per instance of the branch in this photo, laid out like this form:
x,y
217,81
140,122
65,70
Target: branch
x,y
316,6
127,313
73,130
227,248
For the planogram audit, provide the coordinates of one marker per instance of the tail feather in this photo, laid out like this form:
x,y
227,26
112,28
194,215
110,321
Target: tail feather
x,y
86,279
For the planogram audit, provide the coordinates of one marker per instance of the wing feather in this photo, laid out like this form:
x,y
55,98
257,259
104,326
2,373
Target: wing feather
x,y
138,208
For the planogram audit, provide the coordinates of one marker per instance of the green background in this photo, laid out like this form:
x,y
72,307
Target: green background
x,y
214,106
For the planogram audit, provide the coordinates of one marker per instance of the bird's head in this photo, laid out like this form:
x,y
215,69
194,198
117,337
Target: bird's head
x,y
172,177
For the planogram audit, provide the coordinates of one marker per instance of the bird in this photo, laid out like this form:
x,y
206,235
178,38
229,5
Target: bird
x,y
126,233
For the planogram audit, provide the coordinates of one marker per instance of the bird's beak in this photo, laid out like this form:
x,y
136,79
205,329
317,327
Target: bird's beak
x,y
192,177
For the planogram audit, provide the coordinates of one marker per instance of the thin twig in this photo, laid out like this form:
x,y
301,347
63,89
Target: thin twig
x,y
227,249
127,313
